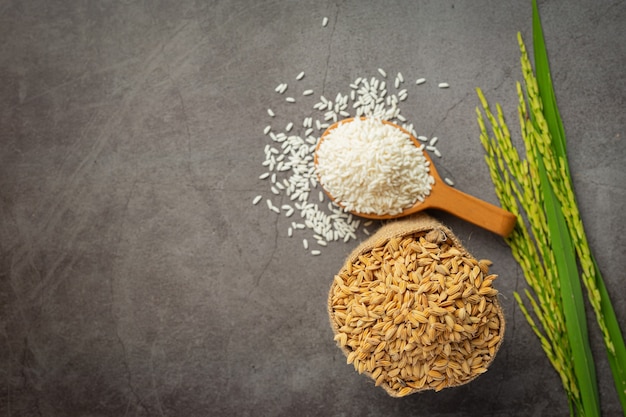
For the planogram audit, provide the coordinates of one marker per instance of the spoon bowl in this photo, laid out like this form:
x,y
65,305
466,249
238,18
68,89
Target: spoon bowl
x,y
441,197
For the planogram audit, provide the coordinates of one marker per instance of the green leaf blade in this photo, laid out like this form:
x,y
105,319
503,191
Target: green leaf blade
x,y
572,299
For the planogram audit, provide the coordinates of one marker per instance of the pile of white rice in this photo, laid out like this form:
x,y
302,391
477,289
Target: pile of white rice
x,y
371,167
287,168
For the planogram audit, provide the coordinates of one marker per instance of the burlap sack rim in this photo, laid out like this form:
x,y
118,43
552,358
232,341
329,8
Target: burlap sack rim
x,y
420,222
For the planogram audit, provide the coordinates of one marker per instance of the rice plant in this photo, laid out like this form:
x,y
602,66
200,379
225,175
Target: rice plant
x,y
549,240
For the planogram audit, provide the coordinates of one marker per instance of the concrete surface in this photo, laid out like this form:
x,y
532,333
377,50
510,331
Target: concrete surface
x,y
136,277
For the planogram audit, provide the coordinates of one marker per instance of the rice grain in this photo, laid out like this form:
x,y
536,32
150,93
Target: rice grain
x,y
431,344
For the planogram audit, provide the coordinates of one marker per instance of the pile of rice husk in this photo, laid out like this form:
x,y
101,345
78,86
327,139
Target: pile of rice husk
x,y
414,311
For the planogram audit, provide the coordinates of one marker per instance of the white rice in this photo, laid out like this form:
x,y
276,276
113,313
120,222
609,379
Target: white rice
x,y
300,76
373,168
289,154
324,22
443,85
420,81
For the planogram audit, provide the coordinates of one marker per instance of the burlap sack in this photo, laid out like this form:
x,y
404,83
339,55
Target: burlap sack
x,y
433,231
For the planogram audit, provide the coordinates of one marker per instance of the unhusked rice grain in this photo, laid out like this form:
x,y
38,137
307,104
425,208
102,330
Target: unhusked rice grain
x,y
416,313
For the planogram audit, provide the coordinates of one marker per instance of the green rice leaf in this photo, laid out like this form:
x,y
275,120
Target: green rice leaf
x,y
546,89
617,360
572,299
599,296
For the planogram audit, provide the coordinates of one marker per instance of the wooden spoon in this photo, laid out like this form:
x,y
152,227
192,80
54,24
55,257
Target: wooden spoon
x,y
443,197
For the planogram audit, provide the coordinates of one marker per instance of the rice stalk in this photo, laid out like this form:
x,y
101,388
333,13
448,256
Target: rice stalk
x,y
549,240
529,242
561,181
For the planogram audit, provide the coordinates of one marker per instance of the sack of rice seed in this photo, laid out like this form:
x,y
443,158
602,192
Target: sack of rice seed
x,y
414,311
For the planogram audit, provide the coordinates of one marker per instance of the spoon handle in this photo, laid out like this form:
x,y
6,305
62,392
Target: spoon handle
x,y
474,210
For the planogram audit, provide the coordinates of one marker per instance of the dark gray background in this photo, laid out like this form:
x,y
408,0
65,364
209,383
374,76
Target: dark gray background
x,y
136,277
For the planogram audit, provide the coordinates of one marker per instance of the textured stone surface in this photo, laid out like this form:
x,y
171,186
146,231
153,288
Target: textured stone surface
x,y
137,279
